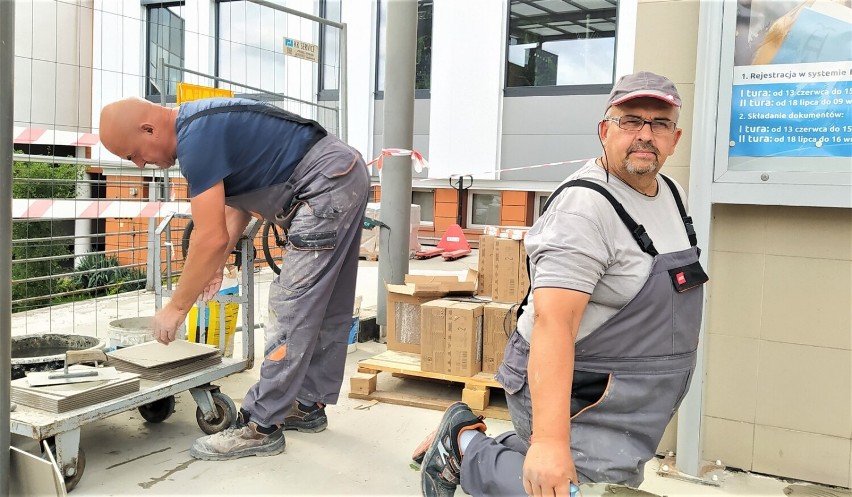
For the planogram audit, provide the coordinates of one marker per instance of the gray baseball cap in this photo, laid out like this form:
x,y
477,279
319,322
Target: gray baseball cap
x,y
644,84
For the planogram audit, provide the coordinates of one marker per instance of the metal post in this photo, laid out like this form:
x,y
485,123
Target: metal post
x,y
400,50
711,16
7,106
151,278
343,126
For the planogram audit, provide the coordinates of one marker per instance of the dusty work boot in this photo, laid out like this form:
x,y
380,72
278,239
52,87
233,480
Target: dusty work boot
x,y
441,470
245,438
307,419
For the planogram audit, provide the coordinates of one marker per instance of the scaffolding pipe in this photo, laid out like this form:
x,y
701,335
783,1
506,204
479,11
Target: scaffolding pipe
x,y
7,106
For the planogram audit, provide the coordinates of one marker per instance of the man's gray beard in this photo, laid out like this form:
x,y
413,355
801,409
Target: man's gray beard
x,y
635,170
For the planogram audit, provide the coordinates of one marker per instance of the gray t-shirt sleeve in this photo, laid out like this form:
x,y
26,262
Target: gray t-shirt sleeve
x,y
567,246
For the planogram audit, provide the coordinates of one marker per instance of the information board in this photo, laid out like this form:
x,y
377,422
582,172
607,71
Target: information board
x,y
792,80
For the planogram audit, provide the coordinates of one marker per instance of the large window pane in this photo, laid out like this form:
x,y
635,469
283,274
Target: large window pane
x,y
561,42
165,41
423,58
330,46
486,209
426,201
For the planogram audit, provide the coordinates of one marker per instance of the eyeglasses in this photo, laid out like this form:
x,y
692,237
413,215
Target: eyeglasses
x,y
633,123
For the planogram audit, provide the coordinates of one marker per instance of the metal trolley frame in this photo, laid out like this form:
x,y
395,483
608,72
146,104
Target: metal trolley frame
x,y
155,400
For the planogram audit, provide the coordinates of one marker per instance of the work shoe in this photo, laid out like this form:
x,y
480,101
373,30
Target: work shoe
x,y
245,438
441,470
304,419
420,452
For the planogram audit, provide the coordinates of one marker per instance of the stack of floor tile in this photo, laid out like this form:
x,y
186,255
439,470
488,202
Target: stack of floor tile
x,y
158,362
71,396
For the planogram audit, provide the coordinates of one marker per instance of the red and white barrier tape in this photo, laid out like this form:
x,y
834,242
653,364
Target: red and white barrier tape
x,y
96,209
420,163
44,208
417,159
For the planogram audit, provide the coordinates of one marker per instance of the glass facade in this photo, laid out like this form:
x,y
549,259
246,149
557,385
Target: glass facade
x,y
165,28
423,58
561,42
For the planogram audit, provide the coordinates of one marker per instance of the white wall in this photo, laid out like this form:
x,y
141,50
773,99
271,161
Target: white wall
x,y
360,60
468,47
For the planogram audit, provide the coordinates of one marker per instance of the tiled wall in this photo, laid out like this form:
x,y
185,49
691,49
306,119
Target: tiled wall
x,y
779,327
778,392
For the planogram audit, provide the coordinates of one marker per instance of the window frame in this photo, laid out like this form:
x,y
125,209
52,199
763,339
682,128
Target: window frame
x,y
558,90
148,6
421,93
538,204
470,206
430,191
326,94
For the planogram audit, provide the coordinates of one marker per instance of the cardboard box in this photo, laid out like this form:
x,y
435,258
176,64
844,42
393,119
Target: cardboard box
x,y
486,265
507,264
499,320
511,276
403,314
437,285
433,316
452,337
464,339
403,309
523,275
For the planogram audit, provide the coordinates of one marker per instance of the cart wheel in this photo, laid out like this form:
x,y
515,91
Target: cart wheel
x,y
159,410
71,481
226,414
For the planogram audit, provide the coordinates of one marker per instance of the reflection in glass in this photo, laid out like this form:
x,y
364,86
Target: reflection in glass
x,y
426,201
165,41
330,46
561,42
423,58
486,209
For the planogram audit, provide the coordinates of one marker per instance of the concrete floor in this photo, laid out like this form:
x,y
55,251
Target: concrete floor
x,y
365,451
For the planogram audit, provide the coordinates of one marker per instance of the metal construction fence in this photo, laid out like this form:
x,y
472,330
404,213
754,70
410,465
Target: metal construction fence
x,y
83,219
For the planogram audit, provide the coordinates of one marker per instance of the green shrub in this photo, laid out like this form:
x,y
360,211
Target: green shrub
x,y
28,182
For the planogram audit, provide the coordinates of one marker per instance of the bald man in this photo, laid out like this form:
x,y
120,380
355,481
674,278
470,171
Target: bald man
x,y
242,157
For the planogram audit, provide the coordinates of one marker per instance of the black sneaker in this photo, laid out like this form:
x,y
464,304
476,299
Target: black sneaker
x,y
304,419
245,438
441,470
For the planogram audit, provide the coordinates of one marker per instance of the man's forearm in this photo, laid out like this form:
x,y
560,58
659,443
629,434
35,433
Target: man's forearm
x,y
551,366
551,372
204,260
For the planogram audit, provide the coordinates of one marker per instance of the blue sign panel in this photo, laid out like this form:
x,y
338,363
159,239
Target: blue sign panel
x,y
791,119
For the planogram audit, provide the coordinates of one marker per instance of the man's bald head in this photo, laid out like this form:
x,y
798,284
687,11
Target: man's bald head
x,y
139,131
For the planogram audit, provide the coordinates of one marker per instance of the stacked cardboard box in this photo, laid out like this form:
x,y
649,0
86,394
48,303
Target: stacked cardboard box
x,y
451,342
503,272
499,321
404,305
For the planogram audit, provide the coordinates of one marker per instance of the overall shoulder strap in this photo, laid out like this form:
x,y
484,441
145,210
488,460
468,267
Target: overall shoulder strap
x,y
687,220
269,110
636,230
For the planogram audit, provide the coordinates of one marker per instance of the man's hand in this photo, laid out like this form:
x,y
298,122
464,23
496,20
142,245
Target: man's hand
x,y
213,286
549,469
166,322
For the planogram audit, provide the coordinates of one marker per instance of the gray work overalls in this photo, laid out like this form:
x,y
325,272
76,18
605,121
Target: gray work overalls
x,y
321,209
630,376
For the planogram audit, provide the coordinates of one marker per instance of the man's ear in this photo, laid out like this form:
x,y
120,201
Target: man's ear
x,y
602,130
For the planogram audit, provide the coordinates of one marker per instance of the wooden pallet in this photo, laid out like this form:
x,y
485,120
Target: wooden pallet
x,y
369,256
476,392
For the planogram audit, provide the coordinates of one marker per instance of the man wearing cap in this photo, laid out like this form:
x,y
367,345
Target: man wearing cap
x,y
606,340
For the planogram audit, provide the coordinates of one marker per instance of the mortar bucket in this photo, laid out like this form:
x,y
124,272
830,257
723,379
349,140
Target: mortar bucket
x,y
125,332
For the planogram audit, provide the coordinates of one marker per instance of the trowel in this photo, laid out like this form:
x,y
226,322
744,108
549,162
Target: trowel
x,y
78,374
